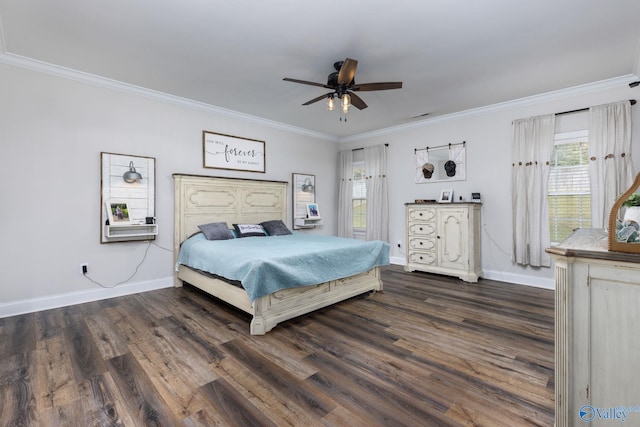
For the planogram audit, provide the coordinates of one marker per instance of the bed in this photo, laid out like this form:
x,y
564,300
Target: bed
x,y
201,199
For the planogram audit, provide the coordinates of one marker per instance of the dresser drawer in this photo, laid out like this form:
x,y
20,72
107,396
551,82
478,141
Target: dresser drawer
x,y
422,229
424,258
421,214
422,243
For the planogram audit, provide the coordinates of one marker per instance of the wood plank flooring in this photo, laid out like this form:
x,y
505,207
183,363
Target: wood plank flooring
x,y
428,351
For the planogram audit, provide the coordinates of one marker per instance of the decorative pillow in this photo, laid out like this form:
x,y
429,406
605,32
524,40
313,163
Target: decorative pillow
x,y
216,231
250,230
275,228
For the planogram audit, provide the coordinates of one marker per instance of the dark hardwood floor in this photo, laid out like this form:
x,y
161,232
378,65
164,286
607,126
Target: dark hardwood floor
x,y
428,351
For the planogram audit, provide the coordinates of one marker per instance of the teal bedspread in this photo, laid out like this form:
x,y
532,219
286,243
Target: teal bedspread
x,y
267,264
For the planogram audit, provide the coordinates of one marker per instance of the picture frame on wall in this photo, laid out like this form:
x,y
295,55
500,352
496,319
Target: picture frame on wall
x,y
129,180
303,192
446,196
118,212
220,151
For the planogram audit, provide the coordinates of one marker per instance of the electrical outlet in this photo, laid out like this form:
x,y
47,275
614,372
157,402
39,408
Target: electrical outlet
x,y
84,268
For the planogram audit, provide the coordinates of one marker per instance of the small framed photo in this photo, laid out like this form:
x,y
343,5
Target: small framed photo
x,y
312,210
118,212
446,196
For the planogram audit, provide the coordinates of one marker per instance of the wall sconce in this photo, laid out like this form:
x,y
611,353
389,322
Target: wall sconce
x,y
307,186
131,175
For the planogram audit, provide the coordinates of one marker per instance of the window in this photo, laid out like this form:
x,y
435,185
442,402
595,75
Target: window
x,y
359,197
569,190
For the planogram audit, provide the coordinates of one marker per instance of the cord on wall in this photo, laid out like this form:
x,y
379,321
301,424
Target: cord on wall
x,y
144,257
484,228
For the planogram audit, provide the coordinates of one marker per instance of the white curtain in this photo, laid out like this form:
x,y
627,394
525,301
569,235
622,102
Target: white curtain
x,y
533,141
610,168
375,165
345,193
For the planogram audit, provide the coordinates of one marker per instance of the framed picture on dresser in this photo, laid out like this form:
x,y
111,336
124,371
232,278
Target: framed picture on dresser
x,y
446,196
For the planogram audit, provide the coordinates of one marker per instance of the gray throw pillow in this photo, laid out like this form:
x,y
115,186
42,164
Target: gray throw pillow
x,y
216,231
275,227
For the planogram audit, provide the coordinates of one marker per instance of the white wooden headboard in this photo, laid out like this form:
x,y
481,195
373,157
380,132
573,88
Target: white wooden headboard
x,y
204,199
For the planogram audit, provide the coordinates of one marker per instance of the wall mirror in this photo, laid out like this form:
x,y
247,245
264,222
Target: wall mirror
x,y
624,221
442,163
127,198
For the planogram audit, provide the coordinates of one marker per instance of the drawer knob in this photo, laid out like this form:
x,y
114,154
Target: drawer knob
x,y
420,214
421,243
420,257
438,237
420,229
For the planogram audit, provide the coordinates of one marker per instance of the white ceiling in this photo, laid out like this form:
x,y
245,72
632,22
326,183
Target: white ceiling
x,y
451,55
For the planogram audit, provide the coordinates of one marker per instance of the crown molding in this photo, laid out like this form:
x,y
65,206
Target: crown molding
x,y
80,76
515,103
71,74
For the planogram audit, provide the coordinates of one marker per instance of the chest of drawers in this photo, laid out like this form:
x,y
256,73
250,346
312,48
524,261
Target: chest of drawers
x,y
444,239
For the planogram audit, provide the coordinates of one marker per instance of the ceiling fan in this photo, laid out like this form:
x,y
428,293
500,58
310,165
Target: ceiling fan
x,y
343,85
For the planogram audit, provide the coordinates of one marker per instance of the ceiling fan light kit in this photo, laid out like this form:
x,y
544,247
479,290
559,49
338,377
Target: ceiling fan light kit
x,y
343,85
345,103
331,105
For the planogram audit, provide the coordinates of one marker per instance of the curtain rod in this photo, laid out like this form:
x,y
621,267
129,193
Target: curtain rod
x,y
415,150
631,101
362,148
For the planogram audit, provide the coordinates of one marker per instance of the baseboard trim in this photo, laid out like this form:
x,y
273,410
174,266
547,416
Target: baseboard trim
x,y
516,279
521,279
72,298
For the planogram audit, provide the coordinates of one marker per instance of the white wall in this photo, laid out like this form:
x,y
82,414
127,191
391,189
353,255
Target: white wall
x,y
488,136
52,131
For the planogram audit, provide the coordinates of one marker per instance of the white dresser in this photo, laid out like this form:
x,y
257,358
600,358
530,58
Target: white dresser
x,y
444,239
597,332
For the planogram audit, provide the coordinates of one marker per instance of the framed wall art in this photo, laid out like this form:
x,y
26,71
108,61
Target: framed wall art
x,y
304,193
127,197
220,151
441,163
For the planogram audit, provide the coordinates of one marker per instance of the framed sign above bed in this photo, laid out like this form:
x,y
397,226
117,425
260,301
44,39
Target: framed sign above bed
x,y
220,151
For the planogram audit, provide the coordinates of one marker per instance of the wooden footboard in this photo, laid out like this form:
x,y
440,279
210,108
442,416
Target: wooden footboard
x,y
286,304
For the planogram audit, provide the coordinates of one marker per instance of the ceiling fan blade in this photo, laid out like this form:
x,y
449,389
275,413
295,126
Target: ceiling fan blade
x,y
304,82
321,97
347,71
357,102
377,86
